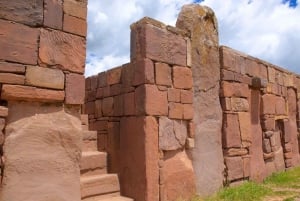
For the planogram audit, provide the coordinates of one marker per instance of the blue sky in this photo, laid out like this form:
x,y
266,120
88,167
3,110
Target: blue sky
x,y
268,29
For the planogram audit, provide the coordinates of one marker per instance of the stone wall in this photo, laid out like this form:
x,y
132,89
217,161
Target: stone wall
x,y
261,117
42,61
187,116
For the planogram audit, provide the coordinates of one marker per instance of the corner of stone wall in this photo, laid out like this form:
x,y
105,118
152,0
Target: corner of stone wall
x,y
42,62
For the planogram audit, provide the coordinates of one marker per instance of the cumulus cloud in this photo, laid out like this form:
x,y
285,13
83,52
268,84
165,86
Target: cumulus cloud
x,y
266,29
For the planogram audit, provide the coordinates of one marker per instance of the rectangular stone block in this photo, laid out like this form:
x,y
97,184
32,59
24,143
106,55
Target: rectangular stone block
x,y
98,108
231,131
186,96
234,89
53,13
268,123
75,25
107,106
271,74
102,79
163,74
226,104
26,93
77,8
12,68
149,100
157,43
89,108
118,106
65,50
227,75
19,43
188,111
268,104
3,113
113,76
175,110
174,95
229,59
143,72
245,128
129,104
239,104
256,69
182,77
75,89
10,78
45,77
280,106
26,12
235,168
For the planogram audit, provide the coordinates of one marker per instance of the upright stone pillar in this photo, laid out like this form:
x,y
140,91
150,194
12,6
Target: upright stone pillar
x,y
201,24
42,60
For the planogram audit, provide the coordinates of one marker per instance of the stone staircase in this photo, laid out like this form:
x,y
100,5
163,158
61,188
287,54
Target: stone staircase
x,y
96,184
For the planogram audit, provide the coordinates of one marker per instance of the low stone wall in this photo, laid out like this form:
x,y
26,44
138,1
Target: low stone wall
x,y
42,60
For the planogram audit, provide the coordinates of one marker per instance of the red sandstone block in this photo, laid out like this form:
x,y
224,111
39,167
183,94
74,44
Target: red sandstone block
x,y
233,89
76,8
89,108
3,113
12,68
128,71
90,95
246,164
75,25
102,79
235,168
271,74
99,93
174,95
115,89
107,106
182,77
53,13
245,128
149,100
229,59
65,50
163,75
19,43
118,106
268,104
191,129
88,83
26,93
239,104
175,110
75,89
231,131
94,82
113,76
226,104
256,69
10,78
102,142
268,123
98,108
280,106
186,96
188,111
129,104
99,126
279,77
227,75
26,11
287,131
149,41
144,72
106,91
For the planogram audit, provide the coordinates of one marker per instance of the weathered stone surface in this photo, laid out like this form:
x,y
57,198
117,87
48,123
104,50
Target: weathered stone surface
x,y
231,131
75,89
45,77
172,134
176,169
53,13
139,161
10,78
268,123
233,89
175,110
235,168
259,83
239,104
235,152
280,106
267,146
75,25
113,76
42,146
3,112
129,104
26,93
279,160
271,74
174,95
64,50
28,12
19,43
205,65
159,45
107,106
268,104
77,8
144,72
163,75
149,100
182,77
12,68
186,96
188,111
245,128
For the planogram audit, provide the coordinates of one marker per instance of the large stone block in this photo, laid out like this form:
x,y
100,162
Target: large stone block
x,y
157,43
172,134
175,170
129,104
231,131
163,75
77,8
75,89
53,13
175,110
26,93
75,25
10,78
280,106
174,95
239,104
12,68
235,168
234,89
245,128
66,51
19,43
182,77
45,77
113,76
26,12
268,104
33,142
149,100
144,72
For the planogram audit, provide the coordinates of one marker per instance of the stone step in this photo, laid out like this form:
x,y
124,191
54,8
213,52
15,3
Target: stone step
x,y
99,185
89,140
93,162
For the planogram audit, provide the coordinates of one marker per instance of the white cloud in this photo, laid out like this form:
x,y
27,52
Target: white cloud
x,y
266,29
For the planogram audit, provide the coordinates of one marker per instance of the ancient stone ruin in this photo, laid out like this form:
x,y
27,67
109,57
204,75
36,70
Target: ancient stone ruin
x,y
186,116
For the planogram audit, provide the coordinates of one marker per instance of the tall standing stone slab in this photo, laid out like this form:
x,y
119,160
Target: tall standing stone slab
x,y
200,22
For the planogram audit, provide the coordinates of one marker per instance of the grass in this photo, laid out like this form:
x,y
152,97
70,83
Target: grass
x,y
283,185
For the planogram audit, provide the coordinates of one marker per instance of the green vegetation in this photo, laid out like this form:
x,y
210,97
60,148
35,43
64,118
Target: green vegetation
x,y
279,186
